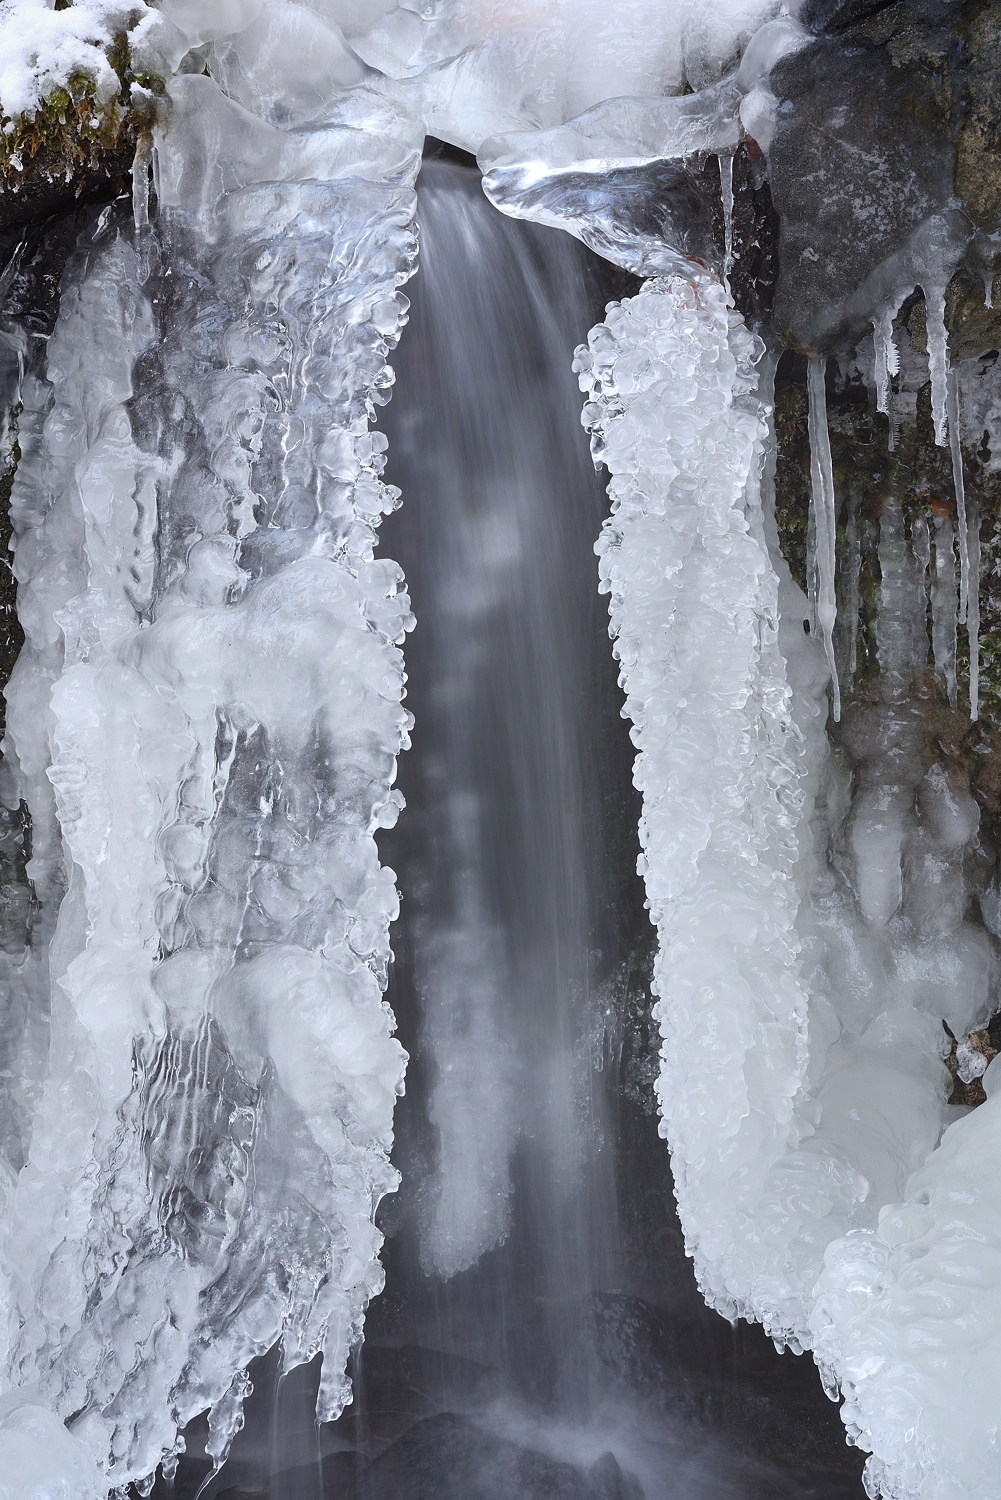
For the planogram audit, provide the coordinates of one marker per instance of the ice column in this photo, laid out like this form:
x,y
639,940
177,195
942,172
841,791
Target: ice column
x,y
676,413
212,695
823,519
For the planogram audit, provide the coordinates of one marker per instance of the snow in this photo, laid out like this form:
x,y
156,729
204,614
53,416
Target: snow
x,y
41,48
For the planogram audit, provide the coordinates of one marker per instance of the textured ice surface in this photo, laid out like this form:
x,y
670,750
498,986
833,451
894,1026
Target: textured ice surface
x,y
617,175
204,724
800,995
204,721
490,69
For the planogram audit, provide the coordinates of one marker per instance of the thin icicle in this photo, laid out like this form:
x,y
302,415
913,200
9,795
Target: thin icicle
x,y
921,544
938,358
854,549
943,602
973,612
726,188
822,505
988,289
140,181
887,357
952,406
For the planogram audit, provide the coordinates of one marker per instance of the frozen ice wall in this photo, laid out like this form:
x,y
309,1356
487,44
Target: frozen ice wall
x,y
812,930
204,724
811,904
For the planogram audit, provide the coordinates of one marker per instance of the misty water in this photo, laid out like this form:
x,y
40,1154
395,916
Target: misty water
x,y
540,1333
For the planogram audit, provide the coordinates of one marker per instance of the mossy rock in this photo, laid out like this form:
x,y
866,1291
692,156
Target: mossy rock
x,y
978,140
74,147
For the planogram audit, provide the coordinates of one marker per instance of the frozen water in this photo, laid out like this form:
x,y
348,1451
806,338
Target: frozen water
x,y
944,602
204,722
204,725
801,1089
822,520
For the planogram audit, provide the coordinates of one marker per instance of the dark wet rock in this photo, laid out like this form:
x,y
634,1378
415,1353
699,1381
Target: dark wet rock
x,y
978,139
834,15
886,166
860,161
448,1457
831,16
44,188
755,231
729,1380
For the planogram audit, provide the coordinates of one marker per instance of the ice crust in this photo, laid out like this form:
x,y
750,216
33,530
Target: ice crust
x,y
811,931
204,724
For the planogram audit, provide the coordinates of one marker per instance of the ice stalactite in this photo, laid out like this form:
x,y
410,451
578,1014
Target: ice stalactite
x,y
944,601
938,359
726,190
973,612
964,409
959,490
887,357
204,725
676,413
823,522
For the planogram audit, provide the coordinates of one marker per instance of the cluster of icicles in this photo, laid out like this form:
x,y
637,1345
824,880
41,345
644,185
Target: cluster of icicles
x,y
948,424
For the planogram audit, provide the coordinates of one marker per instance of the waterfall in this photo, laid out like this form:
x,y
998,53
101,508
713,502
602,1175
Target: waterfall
x,y
199,1069
507,809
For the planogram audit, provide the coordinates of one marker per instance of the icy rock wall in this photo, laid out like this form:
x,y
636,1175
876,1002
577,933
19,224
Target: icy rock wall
x,y
812,923
204,725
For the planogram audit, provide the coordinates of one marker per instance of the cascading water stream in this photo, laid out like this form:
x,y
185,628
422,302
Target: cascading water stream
x,y
539,1312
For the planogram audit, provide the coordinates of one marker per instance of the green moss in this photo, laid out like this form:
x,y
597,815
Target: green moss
x,y
70,134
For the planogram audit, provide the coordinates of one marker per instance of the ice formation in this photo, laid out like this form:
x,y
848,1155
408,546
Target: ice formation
x,y
204,725
204,722
800,1001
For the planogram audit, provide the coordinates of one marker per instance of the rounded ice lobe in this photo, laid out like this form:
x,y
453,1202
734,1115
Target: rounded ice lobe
x,y
40,1460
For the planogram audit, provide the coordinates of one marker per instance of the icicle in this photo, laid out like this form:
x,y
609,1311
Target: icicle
x,y
973,612
822,506
726,188
140,181
852,602
943,602
952,406
887,358
921,544
989,289
938,358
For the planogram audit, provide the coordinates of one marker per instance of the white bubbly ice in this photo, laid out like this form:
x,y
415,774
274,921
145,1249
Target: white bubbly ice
x,y
204,723
800,994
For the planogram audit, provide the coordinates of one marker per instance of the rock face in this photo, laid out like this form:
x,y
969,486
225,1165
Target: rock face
x,y
886,163
862,171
